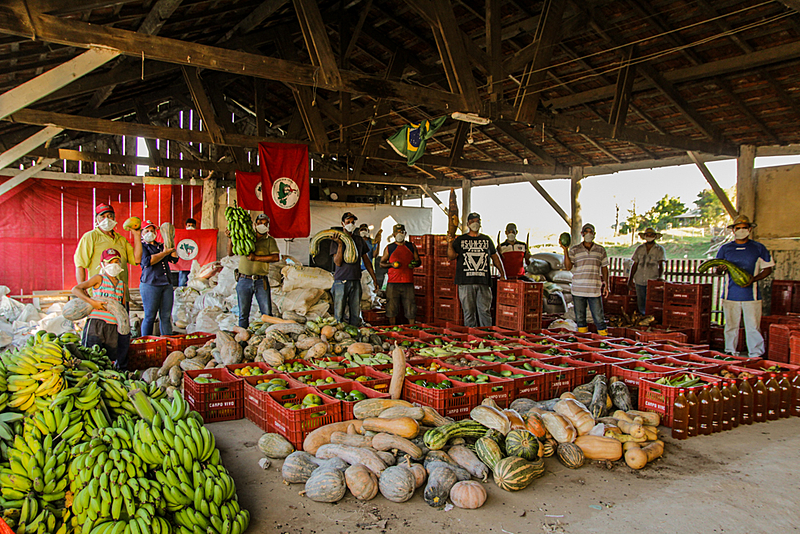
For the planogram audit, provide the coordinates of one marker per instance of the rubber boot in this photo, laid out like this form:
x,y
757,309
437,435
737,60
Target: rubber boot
x,y
583,329
603,332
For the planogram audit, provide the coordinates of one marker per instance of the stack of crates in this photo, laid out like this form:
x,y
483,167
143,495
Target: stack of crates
x,y
620,298
519,305
423,277
447,307
688,306
654,305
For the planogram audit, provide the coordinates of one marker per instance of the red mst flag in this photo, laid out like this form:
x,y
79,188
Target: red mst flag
x,y
285,183
248,190
200,245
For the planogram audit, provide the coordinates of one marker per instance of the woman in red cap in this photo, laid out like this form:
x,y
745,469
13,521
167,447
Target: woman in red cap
x,y
101,328
154,284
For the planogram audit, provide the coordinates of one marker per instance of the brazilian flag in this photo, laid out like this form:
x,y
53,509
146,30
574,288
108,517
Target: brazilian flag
x,y
410,141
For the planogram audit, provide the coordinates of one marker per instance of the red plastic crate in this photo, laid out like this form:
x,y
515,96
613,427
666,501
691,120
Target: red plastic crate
x,y
655,308
145,355
618,356
655,290
445,288
681,294
500,390
778,346
304,362
181,342
423,285
618,285
375,379
448,310
686,317
782,297
737,370
520,294
655,335
295,425
617,304
529,386
626,371
689,364
443,267
660,398
347,406
256,402
518,318
316,374
794,349
557,380
423,364
375,317
455,402
717,338
221,401
439,245
760,365
713,356
596,358
424,244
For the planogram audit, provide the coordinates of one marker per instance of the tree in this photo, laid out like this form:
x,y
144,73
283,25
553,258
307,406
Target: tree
x,y
712,212
659,216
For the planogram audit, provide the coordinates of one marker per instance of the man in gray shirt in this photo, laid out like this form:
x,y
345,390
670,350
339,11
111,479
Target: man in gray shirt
x,y
648,264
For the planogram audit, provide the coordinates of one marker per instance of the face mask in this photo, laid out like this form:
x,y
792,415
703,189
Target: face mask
x,y
588,237
149,237
364,233
400,237
350,227
107,225
475,226
112,269
741,233
262,228
190,227
649,239
512,236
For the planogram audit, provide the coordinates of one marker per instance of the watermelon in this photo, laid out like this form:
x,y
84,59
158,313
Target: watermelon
x,y
564,239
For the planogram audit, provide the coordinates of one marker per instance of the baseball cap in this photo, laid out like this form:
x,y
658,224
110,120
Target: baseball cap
x,y
110,254
348,215
148,223
473,215
511,227
262,216
399,228
588,226
103,208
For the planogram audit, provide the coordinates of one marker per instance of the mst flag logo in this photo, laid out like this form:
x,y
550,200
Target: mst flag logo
x,y
284,175
285,193
187,249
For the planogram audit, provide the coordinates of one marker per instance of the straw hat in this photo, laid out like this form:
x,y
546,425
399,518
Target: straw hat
x,y
742,219
649,231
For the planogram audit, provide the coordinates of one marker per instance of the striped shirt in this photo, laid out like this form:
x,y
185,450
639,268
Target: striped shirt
x,y
109,290
587,274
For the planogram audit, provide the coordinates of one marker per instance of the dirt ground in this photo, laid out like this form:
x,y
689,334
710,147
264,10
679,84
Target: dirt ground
x,y
745,480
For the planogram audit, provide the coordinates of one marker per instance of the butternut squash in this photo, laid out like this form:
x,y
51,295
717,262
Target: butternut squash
x,y
275,320
577,414
635,430
405,427
491,418
637,458
560,427
322,435
361,482
433,418
623,438
651,432
600,448
353,456
650,418
622,416
567,395
515,419
374,407
353,440
398,372
386,442
416,413
359,348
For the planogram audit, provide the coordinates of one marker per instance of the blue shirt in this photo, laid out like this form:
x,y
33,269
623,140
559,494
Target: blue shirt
x,y
158,274
752,257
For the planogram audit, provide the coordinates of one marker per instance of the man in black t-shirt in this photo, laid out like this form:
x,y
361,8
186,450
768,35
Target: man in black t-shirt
x,y
473,252
346,290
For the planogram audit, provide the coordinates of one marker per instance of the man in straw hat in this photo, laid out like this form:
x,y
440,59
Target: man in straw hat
x,y
648,264
738,302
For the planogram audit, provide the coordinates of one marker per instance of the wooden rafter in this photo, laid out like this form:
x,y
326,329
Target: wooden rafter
x,y
254,18
551,201
622,96
726,202
457,148
523,140
203,105
317,42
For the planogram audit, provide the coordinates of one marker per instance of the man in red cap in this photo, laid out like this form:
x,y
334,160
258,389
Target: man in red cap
x,y
101,328
88,259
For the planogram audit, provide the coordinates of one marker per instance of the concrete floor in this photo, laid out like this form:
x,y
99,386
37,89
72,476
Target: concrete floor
x,y
746,480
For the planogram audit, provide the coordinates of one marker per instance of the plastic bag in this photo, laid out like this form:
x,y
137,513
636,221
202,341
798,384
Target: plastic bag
x,y
5,339
305,278
300,300
56,324
231,262
206,321
226,282
566,324
208,270
28,314
227,321
230,352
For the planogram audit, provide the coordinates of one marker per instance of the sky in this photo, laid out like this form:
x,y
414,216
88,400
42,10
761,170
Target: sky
x,y
599,196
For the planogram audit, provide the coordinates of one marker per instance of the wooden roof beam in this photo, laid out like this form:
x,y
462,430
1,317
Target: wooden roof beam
x,y
726,202
102,157
317,42
523,140
386,180
76,33
253,19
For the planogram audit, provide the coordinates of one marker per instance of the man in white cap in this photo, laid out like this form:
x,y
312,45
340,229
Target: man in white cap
x,y
648,264
738,301
589,279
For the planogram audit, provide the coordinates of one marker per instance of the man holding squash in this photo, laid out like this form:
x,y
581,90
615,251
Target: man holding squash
x,y
346,288
89,257
401,258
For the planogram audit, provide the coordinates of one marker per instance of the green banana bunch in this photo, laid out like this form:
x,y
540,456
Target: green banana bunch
x,y
243,237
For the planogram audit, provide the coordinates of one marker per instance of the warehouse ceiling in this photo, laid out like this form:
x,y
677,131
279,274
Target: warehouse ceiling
x,y
620,83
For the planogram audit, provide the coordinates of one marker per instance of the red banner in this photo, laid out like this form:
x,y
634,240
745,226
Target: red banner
x,y
248,190
200,245
285,182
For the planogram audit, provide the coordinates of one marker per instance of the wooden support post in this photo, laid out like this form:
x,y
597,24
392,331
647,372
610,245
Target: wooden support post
x,y
466,202
726,202
209,218
52,80
551,201
8,185
39,138
576,175
746,181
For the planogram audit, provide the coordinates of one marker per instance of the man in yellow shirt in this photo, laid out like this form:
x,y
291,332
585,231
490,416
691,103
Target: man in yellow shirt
x,y
252,274
89,256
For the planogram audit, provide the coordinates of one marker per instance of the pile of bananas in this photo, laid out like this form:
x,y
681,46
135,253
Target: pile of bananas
x,y
86,450
243,237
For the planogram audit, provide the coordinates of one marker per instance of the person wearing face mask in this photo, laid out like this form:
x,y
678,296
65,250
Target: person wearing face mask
x,y
588,262
88,259
252,276
363,231
183,276
737,301
346,288
154,285
474,253
648,264
101,327
514,254
401,258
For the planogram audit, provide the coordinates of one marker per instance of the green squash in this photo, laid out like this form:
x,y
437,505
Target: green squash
x,y
488,451
571,455
564,239
514,473
326,485
522,443
275,446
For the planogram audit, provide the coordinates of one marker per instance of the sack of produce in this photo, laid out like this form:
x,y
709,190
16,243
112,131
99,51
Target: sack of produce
x,y
299,277
76,309
230,352
300,300
120,314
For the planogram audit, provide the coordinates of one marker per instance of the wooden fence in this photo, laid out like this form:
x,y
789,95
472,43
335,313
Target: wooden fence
x,y
680,270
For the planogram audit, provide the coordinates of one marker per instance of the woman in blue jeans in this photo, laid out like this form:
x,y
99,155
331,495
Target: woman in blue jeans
x,y
154,285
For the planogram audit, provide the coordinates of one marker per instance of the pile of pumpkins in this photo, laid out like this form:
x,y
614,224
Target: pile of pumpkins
x,y
395,448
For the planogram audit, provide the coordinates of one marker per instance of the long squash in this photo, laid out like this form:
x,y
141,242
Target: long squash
x,y
276,320
739,276
350,250
322,435
398,372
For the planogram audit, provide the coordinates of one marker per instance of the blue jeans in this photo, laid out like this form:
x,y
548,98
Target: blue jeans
x,y
595,304
641,297
476,304
245,289
157,300
347,296
183,278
